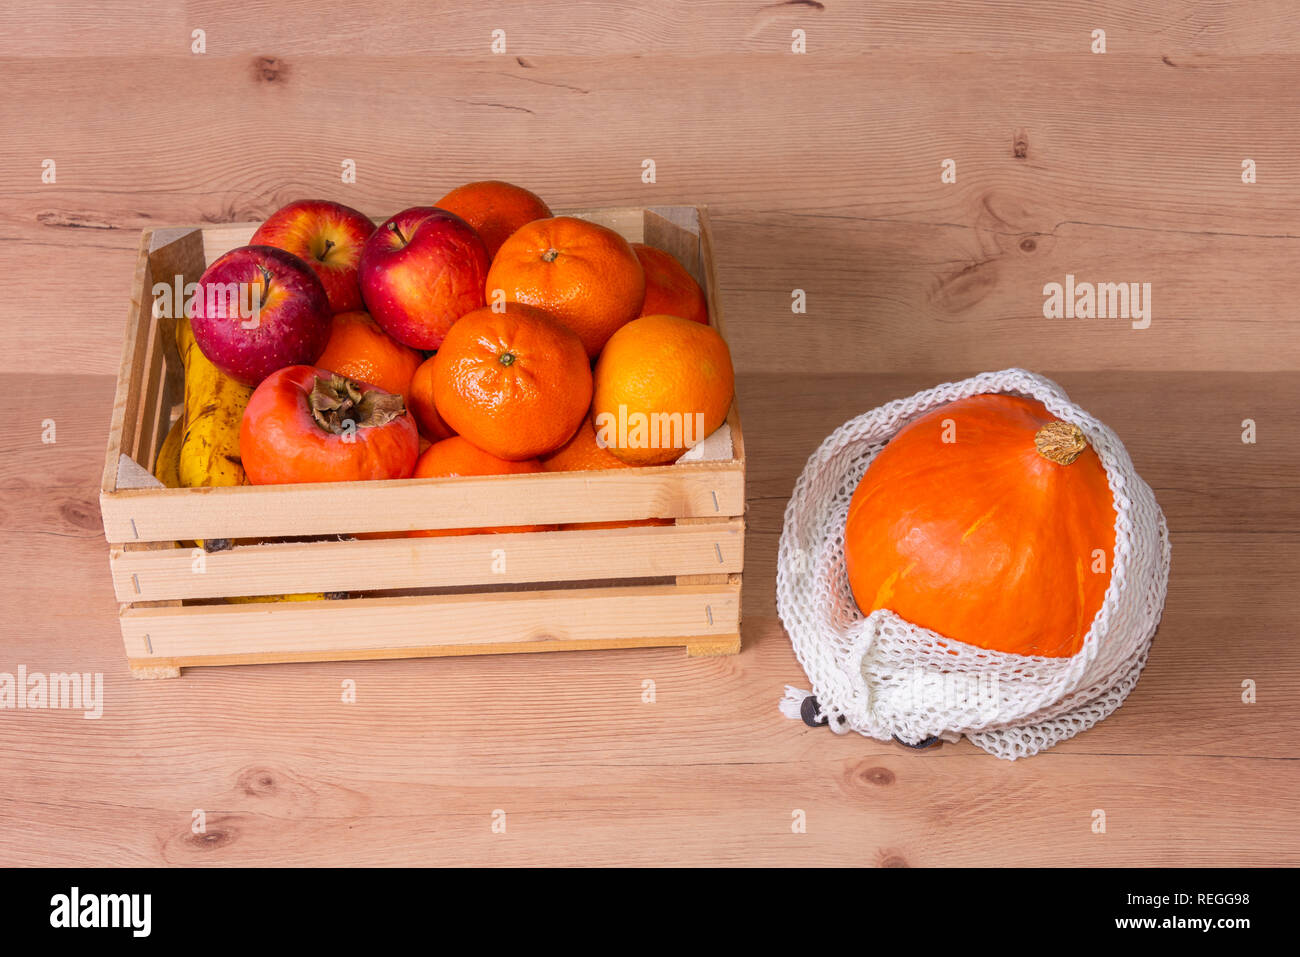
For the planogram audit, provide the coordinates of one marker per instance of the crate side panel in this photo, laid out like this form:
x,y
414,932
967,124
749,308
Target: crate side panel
x,y
711,293
676,230
366,624
704,546
707,490
708,646
175,258
127,395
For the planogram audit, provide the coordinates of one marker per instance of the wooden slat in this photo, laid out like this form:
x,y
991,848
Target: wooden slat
x,y
150,430
126,399
686,28
174,254
708,647
712,292
690,490
578,555
676,230
349,626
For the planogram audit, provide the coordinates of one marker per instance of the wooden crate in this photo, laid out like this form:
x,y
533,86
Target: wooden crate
x,y
646,586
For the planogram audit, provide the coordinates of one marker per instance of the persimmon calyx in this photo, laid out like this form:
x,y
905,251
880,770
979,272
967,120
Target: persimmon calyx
x,y
336,401
1060,442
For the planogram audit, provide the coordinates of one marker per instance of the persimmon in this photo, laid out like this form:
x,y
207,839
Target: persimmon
x,y
305,424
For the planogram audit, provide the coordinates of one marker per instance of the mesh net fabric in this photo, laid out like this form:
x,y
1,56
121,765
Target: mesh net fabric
x,y
882,676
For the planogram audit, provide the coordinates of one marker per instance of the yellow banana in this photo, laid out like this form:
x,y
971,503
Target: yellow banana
x,y
209,449
167,468
214,408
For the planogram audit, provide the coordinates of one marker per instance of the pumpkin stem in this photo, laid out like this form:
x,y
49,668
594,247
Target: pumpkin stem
x,y
1060,442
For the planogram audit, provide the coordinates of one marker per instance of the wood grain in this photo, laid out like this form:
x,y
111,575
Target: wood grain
x,y
710,772
348,628
695,27
452,561
822,173
838,195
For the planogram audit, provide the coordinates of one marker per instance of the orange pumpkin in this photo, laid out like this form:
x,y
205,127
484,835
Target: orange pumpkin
x,y
988,522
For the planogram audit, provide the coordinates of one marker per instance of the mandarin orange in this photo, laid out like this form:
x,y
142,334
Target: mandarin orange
x,y
495,209
669,289
420,401
584,274
662,384
458,456
516,383
583,453
359,349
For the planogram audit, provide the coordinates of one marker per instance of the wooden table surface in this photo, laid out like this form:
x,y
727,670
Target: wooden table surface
x,y
823,173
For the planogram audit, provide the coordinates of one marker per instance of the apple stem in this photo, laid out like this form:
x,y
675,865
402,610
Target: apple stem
x,y
393,227
329,244
266,283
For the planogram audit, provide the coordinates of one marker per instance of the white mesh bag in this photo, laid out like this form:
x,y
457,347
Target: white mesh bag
x,y
884,677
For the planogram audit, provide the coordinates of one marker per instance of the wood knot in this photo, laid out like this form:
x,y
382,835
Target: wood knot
x,y
891,859
877,775
81,514
270,69
1028,244
72,220
212,838
1020,144
966,287
257,782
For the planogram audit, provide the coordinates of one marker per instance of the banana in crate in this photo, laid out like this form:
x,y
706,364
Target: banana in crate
x,y
202,448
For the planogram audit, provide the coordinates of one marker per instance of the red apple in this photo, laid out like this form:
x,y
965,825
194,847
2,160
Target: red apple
x,y
328,237
420,272
258,309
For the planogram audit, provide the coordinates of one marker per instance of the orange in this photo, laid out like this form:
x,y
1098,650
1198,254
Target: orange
x,y
458,456
583,453
585,275
420,402
516,383
359,349
662,384
669,289
495,209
